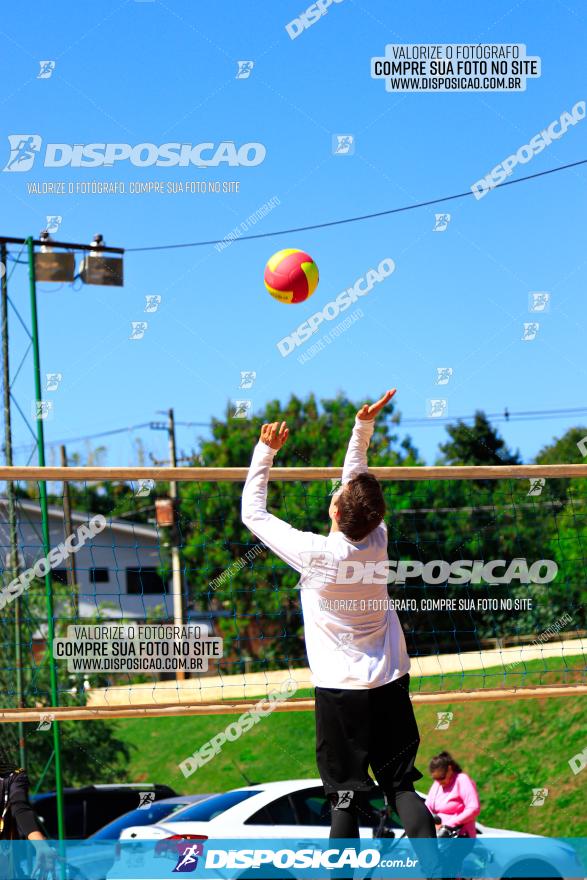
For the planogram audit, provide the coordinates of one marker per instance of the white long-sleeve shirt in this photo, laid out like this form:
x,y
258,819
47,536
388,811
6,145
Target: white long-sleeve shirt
x,y
353,639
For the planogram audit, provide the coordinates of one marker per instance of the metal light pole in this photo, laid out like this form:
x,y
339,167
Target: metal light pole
x,y
52,266
46,538
14,555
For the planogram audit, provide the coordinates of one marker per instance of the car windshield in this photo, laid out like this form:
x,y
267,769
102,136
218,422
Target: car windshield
x,y
155,812
211,807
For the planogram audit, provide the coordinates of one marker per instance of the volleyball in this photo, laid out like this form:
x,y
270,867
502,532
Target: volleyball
x,y
291,276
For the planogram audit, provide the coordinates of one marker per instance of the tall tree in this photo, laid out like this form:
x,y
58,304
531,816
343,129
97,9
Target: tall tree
x,y
478,444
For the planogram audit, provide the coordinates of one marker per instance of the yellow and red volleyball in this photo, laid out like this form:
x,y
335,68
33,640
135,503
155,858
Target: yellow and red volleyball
x,y
291,276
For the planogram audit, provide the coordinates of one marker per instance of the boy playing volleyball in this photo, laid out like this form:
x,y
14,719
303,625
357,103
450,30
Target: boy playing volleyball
x,y
358,658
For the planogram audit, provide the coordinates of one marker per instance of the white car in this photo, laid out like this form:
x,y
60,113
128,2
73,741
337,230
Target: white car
x,y
298,809
273,810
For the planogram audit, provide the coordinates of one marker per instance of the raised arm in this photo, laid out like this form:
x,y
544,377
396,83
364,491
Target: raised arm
x,y
355,461
291,545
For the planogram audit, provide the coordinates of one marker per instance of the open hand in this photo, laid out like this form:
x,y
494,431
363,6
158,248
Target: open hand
x,y
274,435
368,412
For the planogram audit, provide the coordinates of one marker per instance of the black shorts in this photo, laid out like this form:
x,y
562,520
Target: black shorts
x,y
358,729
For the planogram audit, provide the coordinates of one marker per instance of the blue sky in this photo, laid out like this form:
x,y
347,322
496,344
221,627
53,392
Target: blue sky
x,y
157,72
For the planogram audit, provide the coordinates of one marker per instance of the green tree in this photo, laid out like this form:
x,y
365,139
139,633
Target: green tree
x,y
479,444
489,520
91,751
563,450
568,533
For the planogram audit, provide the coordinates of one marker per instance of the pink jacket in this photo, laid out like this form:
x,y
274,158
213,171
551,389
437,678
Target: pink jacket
x,y
458,804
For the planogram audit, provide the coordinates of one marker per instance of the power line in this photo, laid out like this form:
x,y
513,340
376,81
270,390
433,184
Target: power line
x,y
164,247
414,421
127,429
526,416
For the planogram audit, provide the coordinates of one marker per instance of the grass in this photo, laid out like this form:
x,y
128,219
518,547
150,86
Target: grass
x,y
509,747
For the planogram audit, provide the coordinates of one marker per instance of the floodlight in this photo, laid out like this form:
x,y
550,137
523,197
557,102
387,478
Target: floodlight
x,y
95,268
53,265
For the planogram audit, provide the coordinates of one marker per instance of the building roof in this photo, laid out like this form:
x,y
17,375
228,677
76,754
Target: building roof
x,y
78,517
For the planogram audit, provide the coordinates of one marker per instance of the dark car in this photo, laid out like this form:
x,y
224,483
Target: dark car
x,y
89,808
89,862
148,815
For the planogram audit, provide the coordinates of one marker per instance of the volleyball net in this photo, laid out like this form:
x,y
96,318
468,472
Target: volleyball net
x,y
149,604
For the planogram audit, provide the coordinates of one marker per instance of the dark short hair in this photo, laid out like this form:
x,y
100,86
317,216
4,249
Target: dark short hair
x,y
443,761
361,507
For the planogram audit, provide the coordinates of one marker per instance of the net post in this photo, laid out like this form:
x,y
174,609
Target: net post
x,y
177,580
